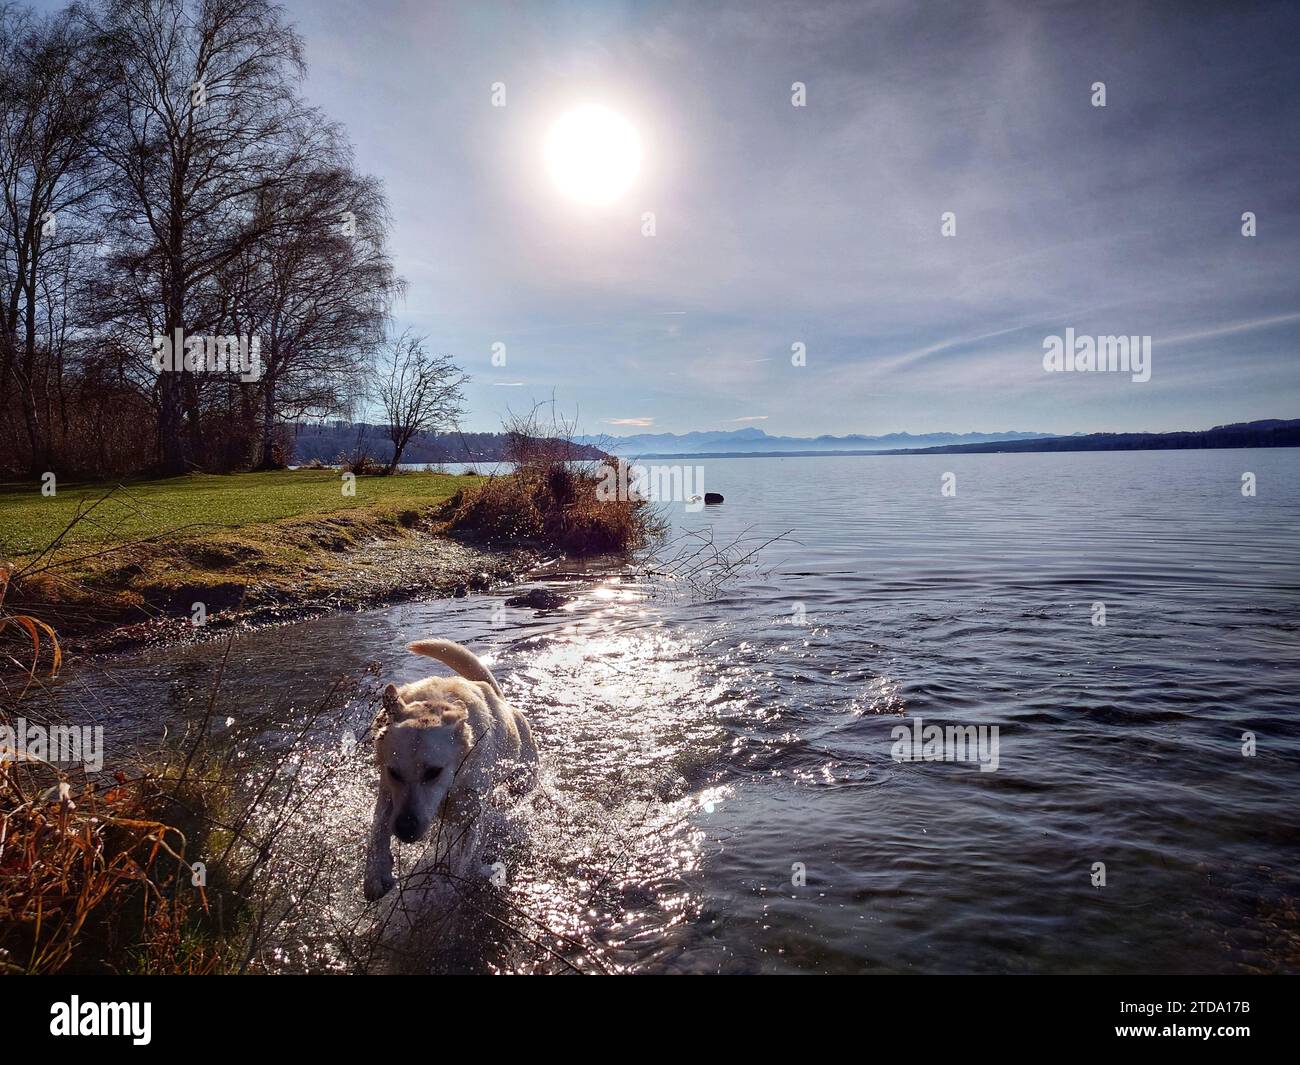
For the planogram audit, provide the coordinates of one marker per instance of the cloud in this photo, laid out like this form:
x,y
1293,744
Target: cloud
x,y
639,423
1230,328
750,418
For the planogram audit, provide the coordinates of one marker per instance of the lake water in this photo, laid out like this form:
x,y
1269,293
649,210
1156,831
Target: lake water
x,y
720,791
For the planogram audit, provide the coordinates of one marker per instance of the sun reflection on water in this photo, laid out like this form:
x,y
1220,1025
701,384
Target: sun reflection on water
x,y
614,836
602,859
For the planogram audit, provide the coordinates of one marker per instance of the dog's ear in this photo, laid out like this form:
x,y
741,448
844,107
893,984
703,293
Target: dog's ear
x,y
390,707
392,702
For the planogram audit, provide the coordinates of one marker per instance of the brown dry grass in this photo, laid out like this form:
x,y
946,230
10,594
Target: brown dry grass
x,y
90,864
91,880
554,507
551,500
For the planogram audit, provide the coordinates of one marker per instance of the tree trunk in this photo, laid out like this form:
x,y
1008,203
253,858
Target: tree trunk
x,y
400,440
171,459
39,453
269,461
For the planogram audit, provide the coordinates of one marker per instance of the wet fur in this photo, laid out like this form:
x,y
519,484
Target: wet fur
x,y
441,744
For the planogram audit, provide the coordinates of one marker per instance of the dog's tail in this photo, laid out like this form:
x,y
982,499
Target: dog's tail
x,y
459,658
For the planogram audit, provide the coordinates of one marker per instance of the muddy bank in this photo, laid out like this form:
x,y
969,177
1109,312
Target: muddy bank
x,y
193,589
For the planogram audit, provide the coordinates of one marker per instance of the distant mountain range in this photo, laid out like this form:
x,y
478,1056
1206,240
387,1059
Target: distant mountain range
x,y
753,441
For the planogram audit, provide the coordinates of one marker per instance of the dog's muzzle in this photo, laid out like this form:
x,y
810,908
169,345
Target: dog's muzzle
x,y
406,828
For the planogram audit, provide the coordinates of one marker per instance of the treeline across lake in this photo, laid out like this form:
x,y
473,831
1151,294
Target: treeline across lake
x,y
1268,432
340,442
188,259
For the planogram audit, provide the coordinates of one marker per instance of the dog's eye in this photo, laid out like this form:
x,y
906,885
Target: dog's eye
x,y
395,775
432,773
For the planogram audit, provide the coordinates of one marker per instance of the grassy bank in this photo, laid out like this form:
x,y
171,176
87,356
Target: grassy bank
x,y
189,505
139,556
152,559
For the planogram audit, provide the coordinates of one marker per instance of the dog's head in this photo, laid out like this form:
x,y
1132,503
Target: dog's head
x,y
423,742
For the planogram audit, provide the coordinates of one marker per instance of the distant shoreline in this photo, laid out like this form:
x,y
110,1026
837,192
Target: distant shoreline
x,y
1246,435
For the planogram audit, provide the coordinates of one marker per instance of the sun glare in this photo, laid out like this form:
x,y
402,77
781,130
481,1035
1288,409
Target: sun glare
x,y
593,154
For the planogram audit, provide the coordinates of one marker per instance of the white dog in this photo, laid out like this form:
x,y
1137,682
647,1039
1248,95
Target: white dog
x,y
441,745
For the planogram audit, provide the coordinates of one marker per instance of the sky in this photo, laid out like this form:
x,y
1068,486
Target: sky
x,y
820,225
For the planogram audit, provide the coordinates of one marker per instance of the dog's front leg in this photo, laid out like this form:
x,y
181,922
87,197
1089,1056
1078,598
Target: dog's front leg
x,y
379,852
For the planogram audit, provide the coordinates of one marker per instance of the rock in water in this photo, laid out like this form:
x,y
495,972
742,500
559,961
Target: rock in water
x,y
539,599
712,499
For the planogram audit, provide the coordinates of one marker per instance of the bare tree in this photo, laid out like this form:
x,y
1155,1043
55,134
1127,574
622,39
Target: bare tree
x,y
317,290
420,393
46,182
159,172
202,123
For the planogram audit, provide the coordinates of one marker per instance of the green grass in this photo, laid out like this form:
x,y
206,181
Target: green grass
x,y
30,521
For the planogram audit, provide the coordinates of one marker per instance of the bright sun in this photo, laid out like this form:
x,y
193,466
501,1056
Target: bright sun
x,y
593,154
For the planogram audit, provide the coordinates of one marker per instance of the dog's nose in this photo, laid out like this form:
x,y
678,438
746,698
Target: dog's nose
x,y
406,827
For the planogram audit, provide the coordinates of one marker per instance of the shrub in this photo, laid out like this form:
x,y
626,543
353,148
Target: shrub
x,y
361,463
550,499
555,505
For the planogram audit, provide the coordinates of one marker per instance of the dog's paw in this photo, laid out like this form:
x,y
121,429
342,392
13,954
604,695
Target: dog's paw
x,y
378,885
